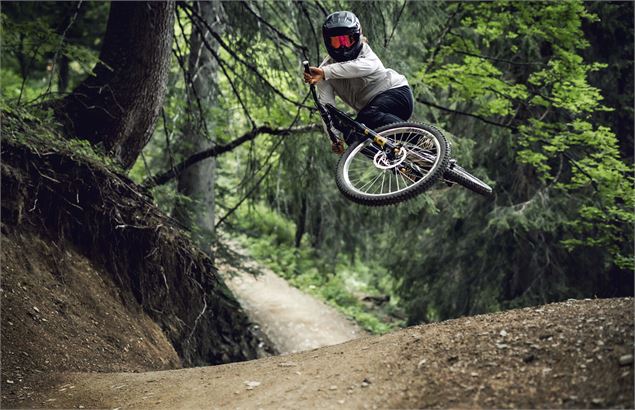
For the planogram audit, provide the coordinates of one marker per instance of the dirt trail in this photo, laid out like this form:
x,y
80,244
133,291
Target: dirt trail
x,y
576,354
293,320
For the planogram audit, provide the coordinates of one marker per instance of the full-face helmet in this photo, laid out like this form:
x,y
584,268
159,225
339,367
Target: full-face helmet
x,y
342,34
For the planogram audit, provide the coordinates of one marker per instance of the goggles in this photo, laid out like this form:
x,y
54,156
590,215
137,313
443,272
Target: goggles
x,y
344,41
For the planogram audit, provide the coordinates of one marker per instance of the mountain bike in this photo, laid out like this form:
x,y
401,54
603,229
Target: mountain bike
x,y
394,163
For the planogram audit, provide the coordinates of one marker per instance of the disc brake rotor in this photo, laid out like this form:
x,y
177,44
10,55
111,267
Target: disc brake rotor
x,y
382,161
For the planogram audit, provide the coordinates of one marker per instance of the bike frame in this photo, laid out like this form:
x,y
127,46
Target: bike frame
x,y
327,110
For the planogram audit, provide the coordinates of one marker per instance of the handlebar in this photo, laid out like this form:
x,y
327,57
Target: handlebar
x,y
323,112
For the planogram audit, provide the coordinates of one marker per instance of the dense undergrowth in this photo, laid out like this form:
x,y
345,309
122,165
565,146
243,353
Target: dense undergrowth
x,y
361,291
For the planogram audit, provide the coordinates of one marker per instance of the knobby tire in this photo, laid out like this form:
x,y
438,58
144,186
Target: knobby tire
x,y
460,176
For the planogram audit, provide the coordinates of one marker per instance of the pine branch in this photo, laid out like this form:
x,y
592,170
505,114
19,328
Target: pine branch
x,y
223,66
62,40
396,23
190,79
269,167
305,12
272,28
178,54
167,138
217,150
478,117
191,13
243,199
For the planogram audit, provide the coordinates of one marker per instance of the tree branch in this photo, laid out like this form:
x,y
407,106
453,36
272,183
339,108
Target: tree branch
x,y
244,198
272,28
498,60
192,13
439,41
189,79
396,23
216,150
167,138
304,11
478,117
223,65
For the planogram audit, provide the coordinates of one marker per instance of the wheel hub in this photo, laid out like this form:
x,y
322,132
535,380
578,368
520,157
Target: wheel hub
x,y
390,159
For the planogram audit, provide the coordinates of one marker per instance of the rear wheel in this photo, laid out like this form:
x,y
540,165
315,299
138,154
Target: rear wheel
x,y
460,176
369,176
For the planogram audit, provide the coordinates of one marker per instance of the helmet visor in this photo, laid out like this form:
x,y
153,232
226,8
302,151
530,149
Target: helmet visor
x,y
345,41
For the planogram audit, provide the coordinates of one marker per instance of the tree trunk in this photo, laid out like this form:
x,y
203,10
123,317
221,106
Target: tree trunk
x,y
300,224
62,83
197,181
117,107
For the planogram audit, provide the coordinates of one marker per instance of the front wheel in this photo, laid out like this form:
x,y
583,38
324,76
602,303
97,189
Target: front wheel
x,y
369,176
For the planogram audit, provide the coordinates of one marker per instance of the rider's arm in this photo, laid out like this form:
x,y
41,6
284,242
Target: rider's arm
x,y
360,67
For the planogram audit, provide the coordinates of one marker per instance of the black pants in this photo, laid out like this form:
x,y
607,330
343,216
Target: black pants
x,y
394,105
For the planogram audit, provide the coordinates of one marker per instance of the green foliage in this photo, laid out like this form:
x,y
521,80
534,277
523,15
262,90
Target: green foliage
x,y
36,37
550,102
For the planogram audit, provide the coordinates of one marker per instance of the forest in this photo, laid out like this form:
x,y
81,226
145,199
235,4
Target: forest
x,y
203,108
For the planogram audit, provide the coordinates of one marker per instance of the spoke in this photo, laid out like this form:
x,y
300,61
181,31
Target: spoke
x,y
403,178
383,180
409,139
375,181
419,158
369,184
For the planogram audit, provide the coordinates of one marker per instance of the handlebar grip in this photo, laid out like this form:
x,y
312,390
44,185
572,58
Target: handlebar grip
x,y
305,63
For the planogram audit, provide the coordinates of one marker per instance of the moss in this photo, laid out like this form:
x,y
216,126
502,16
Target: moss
x,y
37,129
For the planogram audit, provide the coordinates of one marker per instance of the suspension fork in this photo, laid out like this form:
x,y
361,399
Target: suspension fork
x,y
323,112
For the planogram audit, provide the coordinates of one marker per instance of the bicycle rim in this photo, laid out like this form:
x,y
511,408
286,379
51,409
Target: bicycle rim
x,y
367,176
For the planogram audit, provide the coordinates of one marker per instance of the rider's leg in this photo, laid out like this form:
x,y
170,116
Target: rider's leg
x,y
391,106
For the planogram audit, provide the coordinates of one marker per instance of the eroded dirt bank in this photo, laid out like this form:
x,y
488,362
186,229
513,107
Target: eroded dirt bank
x,y
94,276
576,354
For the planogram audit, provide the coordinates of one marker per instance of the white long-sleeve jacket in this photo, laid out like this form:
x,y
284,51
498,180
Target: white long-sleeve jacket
x,y
357,81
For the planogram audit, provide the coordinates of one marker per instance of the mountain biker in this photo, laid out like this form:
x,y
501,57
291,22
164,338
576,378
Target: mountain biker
x,y
353,72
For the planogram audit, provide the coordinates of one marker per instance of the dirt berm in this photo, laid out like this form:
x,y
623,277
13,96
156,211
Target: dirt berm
x,y
576,354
